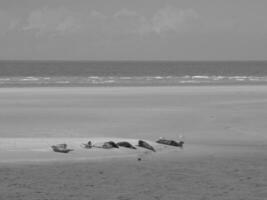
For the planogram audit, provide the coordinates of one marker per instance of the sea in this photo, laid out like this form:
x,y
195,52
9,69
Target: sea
x,y
130,73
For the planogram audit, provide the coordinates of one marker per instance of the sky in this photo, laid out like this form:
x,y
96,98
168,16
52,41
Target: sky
x,y
133,29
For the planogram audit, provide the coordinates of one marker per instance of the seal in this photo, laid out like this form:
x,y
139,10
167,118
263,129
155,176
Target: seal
x,y
88,145
106,145
126,144
112,144
170,142
144,144
61,148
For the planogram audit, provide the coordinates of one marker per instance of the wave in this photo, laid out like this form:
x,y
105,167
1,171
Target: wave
x,y
30,78
189,81
62,82
200,77
128,81
94,77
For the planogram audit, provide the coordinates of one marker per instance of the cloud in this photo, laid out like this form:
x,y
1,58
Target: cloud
x,y
97,14
62,21
124,22
125,13
14,24
52,21
7,22
169,19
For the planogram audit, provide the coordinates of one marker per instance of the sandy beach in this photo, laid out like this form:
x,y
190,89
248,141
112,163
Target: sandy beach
x,y
196,172
224,157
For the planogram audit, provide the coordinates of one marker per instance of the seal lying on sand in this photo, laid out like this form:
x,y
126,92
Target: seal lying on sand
x,y
144,144
110,144
87,146
126,144
61,148
170,142
106,145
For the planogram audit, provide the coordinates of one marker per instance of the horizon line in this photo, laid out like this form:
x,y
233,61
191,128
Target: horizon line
x,y
127,60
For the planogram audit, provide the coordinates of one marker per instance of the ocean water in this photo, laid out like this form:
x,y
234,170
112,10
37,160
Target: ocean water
x,y
129,73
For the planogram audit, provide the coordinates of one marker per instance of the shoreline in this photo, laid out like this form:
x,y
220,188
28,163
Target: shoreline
x,y
148,87
135,85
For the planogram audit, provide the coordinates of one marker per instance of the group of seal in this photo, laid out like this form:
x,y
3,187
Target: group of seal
x,y
105,145
109,145
62,148
126,145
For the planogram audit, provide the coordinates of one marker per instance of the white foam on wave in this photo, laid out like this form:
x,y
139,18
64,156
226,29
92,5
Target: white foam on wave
x,y
109,81
63,82
94,77
103,82
150,78
217,78
237,77
200,77
256,78
158,77
190,81
30,78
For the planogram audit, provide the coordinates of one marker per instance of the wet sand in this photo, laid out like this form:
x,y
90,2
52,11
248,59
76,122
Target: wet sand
x,y
224,155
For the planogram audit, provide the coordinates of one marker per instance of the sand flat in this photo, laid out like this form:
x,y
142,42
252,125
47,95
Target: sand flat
x,y
224,155
209,114
38,150
176,175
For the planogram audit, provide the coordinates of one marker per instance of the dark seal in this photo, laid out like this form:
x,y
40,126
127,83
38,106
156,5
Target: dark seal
x,y
144,144
126,145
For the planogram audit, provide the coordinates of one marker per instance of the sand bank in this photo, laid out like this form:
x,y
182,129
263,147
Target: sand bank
x,y
38,150
207,114
224,155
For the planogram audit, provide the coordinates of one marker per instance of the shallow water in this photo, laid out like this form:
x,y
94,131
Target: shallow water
x,y
130,73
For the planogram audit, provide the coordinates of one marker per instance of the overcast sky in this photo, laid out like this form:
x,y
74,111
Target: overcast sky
x,y
133,29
